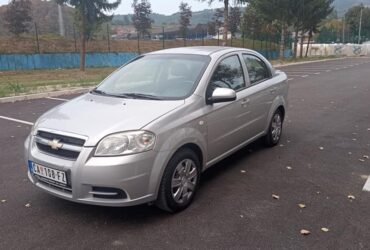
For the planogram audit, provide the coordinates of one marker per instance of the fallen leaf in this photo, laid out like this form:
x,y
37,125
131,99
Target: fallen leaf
x,y
276,197
351,197
368,129
349,153
241,216
281,145
362,160
288,167
243,171
324,229
302,205
3,201
366,156
28,205
318,192
354,139
321,148
305,232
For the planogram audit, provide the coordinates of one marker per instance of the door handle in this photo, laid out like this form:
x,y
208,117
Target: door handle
x,y
245,102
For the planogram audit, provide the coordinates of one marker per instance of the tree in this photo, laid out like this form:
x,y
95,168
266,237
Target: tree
x,y
211,28
17,17
185,15
316,11
353,22
235,19
218,18
90,13
226,15
141,18
279,11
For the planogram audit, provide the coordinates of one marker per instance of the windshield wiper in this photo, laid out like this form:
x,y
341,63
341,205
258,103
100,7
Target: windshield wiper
x,y
140,96
97,91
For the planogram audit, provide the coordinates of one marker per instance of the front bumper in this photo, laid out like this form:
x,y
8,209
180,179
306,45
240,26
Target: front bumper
x,y
138,176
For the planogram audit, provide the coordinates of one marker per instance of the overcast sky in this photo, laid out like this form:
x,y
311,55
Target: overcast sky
x,y
166,7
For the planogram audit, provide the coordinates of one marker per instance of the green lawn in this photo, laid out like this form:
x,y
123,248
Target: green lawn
x,y
35,81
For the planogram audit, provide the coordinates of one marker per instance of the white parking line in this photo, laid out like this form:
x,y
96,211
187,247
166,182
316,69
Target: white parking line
x,y
16,120
57,99
367,185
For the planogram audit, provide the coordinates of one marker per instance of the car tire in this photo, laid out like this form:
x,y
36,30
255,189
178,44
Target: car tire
x,y
179,182
275,129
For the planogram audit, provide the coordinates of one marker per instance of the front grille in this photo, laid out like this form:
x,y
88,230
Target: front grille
x,y
62,138
71,146
60,152
54,186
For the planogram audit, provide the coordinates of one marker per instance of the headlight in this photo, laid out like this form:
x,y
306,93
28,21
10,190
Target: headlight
x,y
125,143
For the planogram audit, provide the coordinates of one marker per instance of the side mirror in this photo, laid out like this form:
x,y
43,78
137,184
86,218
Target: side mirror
x,y
221,95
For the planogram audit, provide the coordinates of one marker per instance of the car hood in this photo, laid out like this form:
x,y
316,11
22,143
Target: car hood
x,y
94,116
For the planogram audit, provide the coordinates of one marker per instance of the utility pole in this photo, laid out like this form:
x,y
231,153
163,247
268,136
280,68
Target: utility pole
x,y
359,28
344,27
61,21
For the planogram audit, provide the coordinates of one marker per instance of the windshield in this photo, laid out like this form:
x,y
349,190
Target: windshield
x,y
156,77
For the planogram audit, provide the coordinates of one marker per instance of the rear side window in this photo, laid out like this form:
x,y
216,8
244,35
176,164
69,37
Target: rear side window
x,y
257,69
228,74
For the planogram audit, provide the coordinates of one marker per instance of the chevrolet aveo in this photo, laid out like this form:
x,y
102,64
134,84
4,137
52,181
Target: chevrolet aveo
x,y
149,130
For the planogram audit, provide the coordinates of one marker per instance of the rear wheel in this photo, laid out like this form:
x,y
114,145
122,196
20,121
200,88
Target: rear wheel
x,y
275,130
179,182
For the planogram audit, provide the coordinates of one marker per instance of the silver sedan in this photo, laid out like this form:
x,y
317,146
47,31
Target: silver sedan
x,y
149,130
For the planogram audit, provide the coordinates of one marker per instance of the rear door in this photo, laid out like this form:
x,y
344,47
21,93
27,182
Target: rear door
x,y
261,93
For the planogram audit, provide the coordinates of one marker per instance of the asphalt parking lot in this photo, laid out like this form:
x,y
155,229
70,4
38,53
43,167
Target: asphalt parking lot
x,y
321,163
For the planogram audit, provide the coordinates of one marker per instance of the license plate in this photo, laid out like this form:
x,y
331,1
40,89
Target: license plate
x,y
50,174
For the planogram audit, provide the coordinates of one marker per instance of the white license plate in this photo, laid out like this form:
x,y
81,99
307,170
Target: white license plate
x,y
57,176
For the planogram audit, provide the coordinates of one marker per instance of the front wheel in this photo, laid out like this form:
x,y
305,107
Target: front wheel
x,y
275,130
179,182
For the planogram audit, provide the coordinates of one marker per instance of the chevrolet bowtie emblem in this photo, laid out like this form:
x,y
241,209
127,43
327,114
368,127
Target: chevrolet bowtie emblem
x,y
55,144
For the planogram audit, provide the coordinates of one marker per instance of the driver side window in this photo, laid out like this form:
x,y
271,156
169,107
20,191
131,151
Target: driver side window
x,y
228,74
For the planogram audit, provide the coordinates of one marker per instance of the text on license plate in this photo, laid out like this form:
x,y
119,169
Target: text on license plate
x,y
49,173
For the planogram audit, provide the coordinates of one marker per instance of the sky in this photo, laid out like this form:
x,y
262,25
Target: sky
x,y
166,7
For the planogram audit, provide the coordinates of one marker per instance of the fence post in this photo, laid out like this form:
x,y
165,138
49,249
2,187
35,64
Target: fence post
x,y
138,42
74,37
202,37
163,37
243,39
37,39
253,41
218,37
108,37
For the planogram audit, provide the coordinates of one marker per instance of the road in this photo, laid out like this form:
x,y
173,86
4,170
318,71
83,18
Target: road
x,y
320,163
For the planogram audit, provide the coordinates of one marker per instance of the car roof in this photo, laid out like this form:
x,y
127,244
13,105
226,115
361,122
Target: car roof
x,y
197,50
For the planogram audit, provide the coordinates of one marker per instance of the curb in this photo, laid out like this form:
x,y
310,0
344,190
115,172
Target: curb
x,y
307,62
44,95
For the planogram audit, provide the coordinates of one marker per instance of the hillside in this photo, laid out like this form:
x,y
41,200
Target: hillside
x,y
203,17
45,14
343,5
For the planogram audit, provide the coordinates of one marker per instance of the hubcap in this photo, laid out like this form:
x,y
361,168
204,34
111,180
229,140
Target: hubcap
x,y
276,127
184,180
